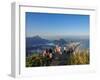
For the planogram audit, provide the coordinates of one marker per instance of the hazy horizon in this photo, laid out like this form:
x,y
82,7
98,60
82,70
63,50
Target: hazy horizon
x,y
61,37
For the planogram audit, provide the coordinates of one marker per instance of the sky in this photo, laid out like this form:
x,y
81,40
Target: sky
x,y
49,24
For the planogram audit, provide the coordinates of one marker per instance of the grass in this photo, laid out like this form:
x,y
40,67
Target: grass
x,y
80,58
75,59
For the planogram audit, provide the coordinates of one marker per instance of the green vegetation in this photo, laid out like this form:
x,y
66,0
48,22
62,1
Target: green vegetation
x,y
78,58
37,60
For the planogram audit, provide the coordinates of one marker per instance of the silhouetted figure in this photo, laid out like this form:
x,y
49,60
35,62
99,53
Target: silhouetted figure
x,y
50,50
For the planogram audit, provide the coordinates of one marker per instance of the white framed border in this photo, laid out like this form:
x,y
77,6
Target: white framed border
x,y
18,40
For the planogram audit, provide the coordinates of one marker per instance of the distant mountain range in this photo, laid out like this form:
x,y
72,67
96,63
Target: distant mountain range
x,y
60,42
38,44
37,40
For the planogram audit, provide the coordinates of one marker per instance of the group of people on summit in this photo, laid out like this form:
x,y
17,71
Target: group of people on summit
x,y
57,56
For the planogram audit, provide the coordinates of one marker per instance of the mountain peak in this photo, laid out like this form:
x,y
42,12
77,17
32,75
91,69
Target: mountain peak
x,y
37,37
